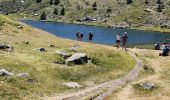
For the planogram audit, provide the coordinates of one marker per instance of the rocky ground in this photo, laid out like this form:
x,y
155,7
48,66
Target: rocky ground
x,y
112,13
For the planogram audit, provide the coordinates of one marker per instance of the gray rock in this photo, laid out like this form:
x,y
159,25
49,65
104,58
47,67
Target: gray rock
x,y
23,74
4,72
63,54
72,85
78,58
74,48
148,10
19,27
147,86
165,25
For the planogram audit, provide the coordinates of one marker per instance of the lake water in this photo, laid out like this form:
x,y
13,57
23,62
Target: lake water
x,y
102,35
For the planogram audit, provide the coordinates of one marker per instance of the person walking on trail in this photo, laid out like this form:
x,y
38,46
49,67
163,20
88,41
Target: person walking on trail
x,y
81,36
90,37
118,40
124,41
78,36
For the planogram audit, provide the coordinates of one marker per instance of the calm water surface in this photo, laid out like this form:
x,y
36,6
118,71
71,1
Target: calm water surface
x,y
102,35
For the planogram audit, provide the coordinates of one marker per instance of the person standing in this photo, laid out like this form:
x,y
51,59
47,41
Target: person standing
x,y
78,36
118,40
90,37
81,36
124,41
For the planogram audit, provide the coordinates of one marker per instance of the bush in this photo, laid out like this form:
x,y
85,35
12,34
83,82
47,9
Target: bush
x,y
94,6
56,11
62,12
38,1
56,2
129,1
43,16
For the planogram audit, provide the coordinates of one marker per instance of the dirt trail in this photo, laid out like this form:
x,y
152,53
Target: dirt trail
x,y
101,91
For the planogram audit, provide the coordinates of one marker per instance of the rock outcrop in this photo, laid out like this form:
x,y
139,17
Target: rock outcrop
x,y
78,58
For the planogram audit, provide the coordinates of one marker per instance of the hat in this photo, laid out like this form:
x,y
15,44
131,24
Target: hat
x,y
125,32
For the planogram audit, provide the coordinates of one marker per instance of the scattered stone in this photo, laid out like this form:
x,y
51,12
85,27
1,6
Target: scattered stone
x,y
165,25
63,54
41,49
6,47
30,80
23,74
89,61
52,45
148,10
36,14
19,27
147,86
74,48
26,42
86,19
4,72
121,26
72,85
78,58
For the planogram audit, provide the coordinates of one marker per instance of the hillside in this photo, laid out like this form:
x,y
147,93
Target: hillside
x,y
35,73
114,13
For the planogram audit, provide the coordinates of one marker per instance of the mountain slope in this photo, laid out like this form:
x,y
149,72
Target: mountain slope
x,y
105,13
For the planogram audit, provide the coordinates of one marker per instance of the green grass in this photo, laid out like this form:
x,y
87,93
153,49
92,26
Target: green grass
x,y
108,63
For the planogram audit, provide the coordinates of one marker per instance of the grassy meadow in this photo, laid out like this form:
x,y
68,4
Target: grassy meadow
x,y
47,76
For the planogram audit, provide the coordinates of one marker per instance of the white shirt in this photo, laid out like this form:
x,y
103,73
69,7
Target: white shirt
x,y
118,37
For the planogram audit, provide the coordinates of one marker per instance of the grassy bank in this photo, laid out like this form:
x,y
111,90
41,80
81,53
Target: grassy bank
x,y
156,70
47,76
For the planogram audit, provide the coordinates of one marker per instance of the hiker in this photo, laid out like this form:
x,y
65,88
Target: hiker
x,y
78,36
157,46
124,41
90,37
118,40
81,37
165,51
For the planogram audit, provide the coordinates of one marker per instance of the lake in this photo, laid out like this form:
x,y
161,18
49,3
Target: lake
x,y
102,35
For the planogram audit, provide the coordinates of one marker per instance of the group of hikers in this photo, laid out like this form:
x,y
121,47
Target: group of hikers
x,y
123,39
81,35
164,48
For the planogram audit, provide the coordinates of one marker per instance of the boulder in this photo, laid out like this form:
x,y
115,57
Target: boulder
x,y
148,86
165,25
78,58
63,54
72,85
4,72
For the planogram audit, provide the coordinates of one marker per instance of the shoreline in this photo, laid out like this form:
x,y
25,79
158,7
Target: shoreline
x,y
141,28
